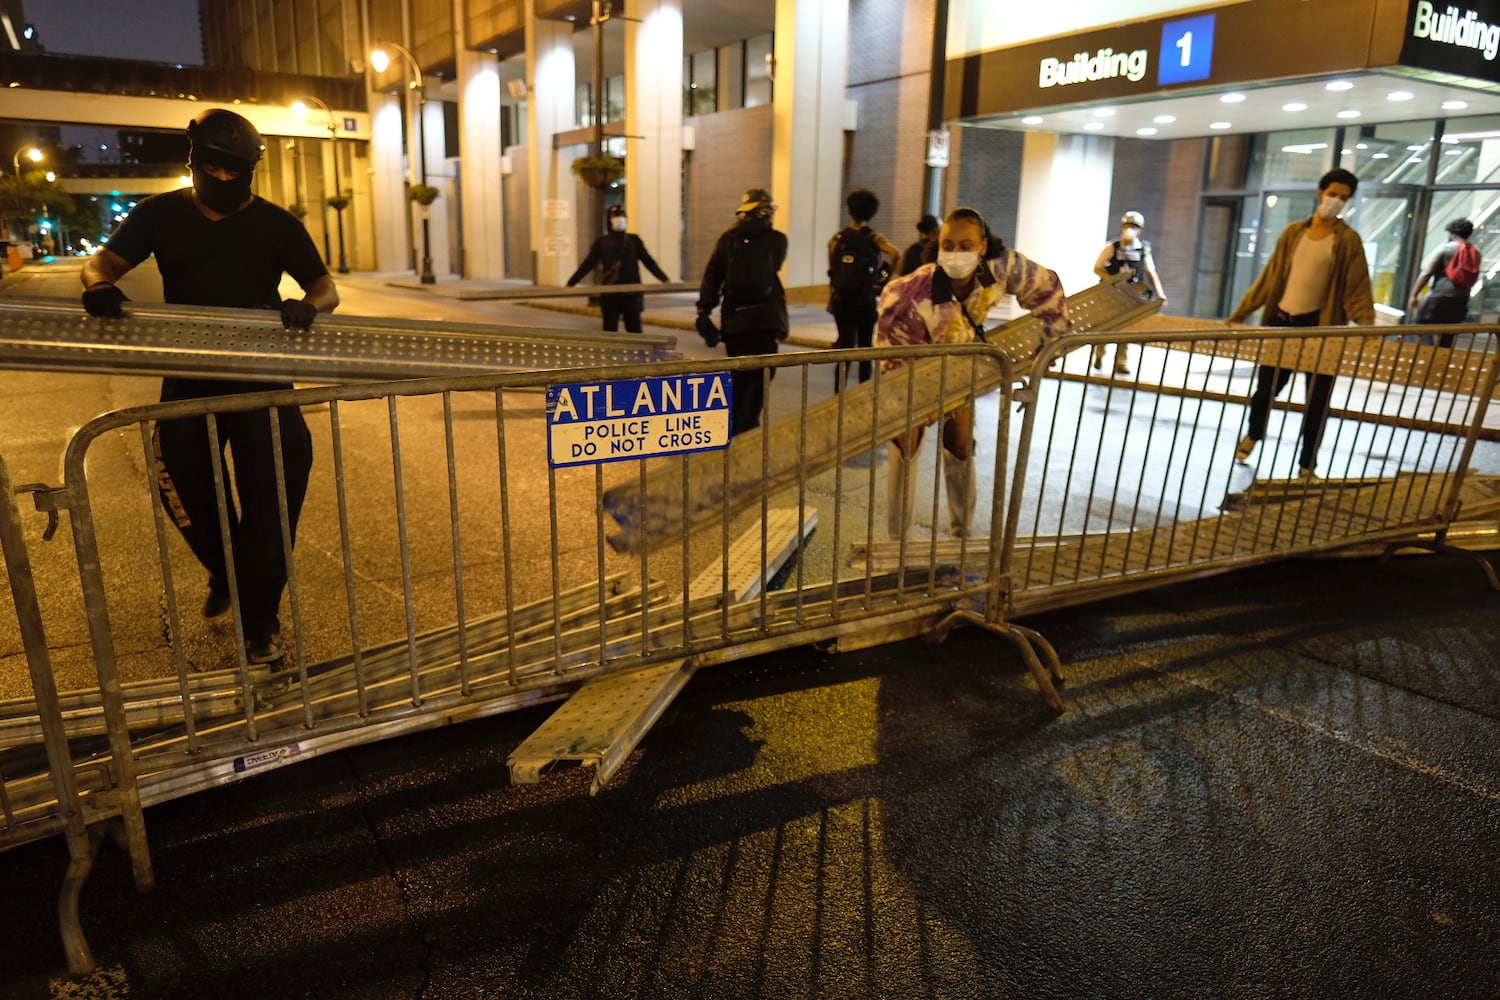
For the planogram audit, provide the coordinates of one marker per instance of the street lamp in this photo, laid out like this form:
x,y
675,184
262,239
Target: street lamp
x,y
32,153
300,109
379,60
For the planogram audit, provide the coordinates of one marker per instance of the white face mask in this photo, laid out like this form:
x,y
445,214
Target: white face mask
x,y
617,223
1329,206
958,264
1129,235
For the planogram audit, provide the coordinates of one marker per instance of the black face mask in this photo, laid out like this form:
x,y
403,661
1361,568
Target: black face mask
x,y
222,196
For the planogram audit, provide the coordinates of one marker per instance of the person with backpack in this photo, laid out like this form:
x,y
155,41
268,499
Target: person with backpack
x,y
1453,272
619,256
860,260
741,279
1317,276
1129,255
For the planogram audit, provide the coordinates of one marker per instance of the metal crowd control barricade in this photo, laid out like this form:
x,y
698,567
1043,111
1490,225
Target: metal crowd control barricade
x,y
445,569
1122,484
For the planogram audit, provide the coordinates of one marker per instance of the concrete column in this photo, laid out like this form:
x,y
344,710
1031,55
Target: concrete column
x,y
653,111
1063,217
440,174
551,76
811,112
483,223
390,232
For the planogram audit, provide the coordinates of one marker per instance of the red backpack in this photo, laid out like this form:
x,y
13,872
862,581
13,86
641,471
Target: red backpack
x,y
1463,266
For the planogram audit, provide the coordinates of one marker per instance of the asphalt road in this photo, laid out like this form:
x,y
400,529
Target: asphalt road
x,y
1276,783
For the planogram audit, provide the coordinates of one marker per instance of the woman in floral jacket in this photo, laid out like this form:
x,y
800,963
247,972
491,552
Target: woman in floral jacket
x,y
947,303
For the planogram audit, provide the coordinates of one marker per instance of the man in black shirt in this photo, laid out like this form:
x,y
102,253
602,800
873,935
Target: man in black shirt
x,y
217,244
619,255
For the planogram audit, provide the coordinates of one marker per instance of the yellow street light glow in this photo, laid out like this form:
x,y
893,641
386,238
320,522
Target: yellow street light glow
x,y
379,61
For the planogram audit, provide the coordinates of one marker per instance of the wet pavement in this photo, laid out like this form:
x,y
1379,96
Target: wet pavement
x,y
1239,801
1280,782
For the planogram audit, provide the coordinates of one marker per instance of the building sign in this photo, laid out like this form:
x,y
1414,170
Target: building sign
x,y
1187,50
597,422
980,25
1152,57
1460,39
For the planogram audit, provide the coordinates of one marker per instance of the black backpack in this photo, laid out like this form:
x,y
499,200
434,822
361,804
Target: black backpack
x,y
749,276
854,266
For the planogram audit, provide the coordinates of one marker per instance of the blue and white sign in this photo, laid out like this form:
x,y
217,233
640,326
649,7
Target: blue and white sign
x,y
637,418
1187,50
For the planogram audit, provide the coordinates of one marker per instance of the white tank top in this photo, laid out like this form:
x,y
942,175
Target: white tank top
x,y
1307,285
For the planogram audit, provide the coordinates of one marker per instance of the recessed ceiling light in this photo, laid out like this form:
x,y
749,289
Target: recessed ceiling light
x,y
1337,85
1232,98
1416,148
1148,130
1294,106
1032,120
1414,159
1400,95
1361,145
1221,125
1164,119
1380,156
1349,113
1454,105
1346,152
1103,112
1453,152
1093,126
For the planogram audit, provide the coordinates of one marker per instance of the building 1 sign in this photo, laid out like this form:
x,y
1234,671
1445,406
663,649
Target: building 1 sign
x,y
594,422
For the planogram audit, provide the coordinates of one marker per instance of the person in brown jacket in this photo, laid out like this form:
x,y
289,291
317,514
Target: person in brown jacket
x,y
1317,276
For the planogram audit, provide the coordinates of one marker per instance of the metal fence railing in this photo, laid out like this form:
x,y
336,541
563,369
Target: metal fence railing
x,y
447,565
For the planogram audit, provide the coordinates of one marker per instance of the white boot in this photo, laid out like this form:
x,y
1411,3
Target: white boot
x,y
958,482
901,492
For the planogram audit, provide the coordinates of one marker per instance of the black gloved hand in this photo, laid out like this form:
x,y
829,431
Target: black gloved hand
x,y
297,314
104,301
707,330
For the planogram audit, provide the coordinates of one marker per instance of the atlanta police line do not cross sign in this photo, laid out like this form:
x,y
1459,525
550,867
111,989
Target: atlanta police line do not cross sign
x,y
594,422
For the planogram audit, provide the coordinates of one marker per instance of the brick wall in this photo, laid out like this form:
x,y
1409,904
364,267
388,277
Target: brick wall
x,y
733,152
987,178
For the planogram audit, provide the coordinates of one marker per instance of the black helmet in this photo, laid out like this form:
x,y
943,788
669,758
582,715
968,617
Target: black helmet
x,y
227,134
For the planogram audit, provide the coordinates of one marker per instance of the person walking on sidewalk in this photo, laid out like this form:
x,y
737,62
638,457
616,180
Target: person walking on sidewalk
x,y
1453,270
1317,276
742,274
860,260
217,244
619,255
1131,256
947,303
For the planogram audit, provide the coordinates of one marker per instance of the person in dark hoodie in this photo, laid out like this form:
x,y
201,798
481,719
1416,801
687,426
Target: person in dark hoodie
x,y
619,255
742,280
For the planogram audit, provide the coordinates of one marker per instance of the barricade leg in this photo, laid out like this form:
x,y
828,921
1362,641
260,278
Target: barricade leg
x,y
1028,642
49,712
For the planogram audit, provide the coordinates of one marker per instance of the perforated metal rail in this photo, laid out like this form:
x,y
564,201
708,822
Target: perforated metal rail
x,y
48,335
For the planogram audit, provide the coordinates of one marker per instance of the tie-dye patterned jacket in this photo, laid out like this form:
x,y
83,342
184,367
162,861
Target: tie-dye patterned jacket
x,y
919,308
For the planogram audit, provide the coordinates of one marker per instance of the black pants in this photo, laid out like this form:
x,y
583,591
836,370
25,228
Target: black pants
x,y
185,479
614,307
749,387
1269,381
1442,309
856,329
